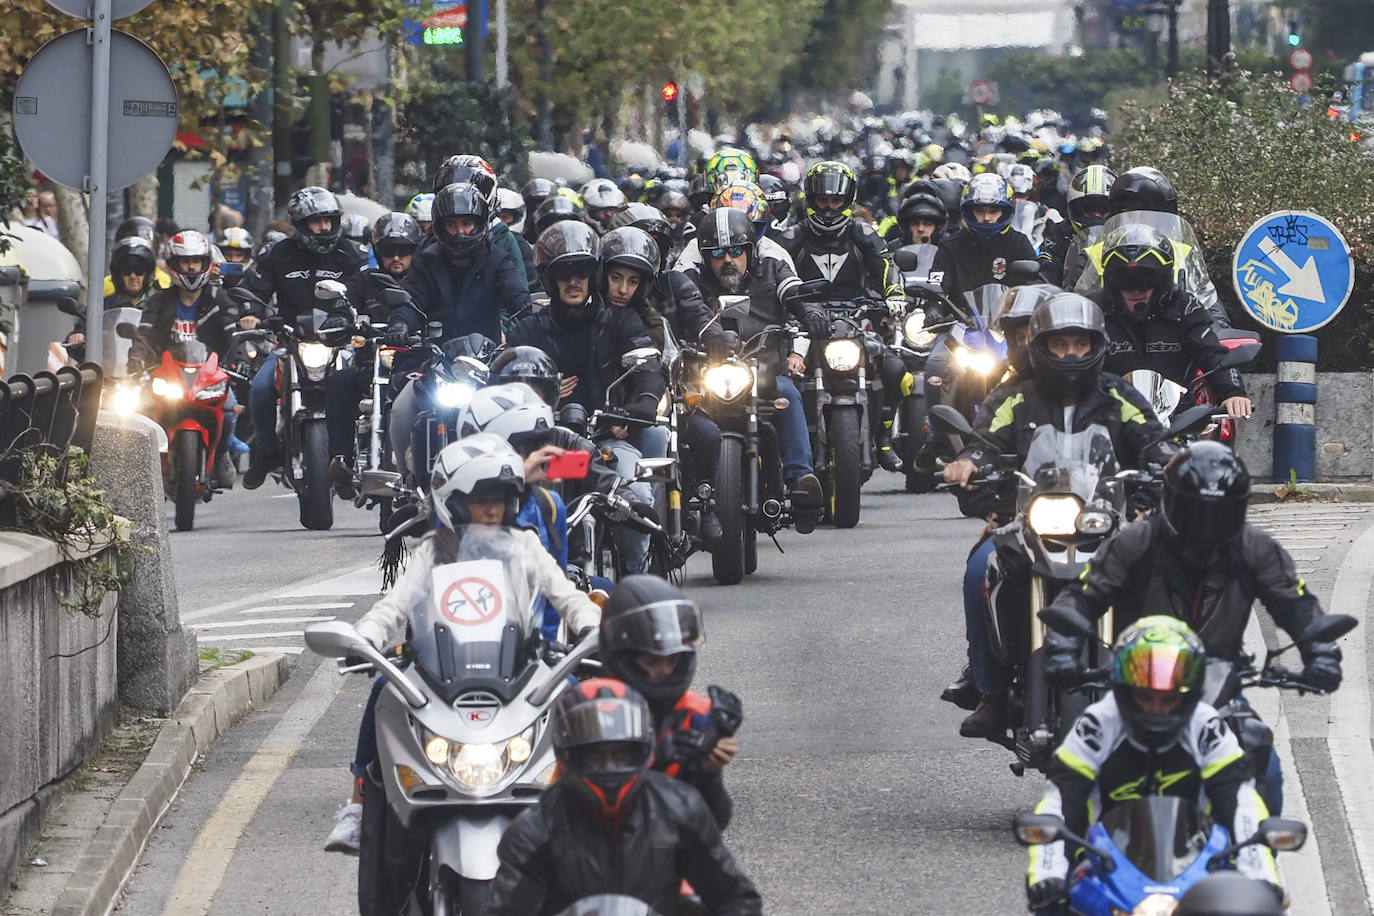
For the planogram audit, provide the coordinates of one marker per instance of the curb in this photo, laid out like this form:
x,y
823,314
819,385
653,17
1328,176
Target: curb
x,y
214,704
1322,492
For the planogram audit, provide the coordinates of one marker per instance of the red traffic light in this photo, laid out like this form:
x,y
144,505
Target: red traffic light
x,y
670,92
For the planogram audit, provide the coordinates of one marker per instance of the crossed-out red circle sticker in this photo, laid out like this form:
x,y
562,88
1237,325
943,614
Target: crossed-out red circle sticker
x,y
470,602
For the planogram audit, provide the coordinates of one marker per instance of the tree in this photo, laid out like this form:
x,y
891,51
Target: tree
x,y
14,184
841,51
454,117
1337,30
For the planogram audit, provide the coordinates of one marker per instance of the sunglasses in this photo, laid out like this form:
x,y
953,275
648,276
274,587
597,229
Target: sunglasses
x,y
733,251
387,254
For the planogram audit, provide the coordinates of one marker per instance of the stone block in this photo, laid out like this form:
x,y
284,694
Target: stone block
x,y
1345,427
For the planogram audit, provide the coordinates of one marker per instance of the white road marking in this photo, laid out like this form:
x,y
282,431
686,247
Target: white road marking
x,y
260,621
284,496
233,637
269,608
366,580
309,587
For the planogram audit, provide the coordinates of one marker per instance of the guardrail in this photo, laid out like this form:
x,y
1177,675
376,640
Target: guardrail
x,y
47,411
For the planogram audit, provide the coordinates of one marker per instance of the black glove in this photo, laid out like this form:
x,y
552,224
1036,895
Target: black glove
x,y
817,325
1047,896
685,746
1062,654
644,408
727,712
1321,665
721,345
397,328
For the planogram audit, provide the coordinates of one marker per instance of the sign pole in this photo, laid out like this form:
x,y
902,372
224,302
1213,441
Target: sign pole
x,y
96,180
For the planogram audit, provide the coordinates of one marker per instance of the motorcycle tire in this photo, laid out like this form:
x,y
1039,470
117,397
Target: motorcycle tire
x,y
312,491
474,896
751,550
727,556
845,479
384,514
188,463
386,877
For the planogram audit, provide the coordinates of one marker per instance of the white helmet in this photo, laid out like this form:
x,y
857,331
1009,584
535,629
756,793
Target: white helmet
x,y
483,465
512,411
421,208
956,170
602,194
189,259
511,201
1022,178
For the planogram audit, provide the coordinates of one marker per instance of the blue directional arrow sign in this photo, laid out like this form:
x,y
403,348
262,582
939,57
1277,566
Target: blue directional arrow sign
x,y
1293,271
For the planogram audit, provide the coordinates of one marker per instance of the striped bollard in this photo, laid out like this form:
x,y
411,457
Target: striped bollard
x,y
1295,407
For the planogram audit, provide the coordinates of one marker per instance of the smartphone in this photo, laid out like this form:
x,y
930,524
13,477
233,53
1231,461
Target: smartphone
x,y
569,466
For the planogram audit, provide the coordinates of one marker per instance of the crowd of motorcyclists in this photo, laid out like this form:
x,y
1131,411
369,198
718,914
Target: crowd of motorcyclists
x,y
603,321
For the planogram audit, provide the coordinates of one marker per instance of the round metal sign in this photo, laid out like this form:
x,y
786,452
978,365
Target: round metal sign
x,y
1300,59
52,103
1301,82
81,9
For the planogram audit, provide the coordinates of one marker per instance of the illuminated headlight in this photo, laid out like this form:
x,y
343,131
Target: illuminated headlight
x,y
436,750
1094,521
1054,515
169,390
478,766
914,328
452,394
843,355
979,361
1154,905
729,381
216,390
124,399
314,355
997,335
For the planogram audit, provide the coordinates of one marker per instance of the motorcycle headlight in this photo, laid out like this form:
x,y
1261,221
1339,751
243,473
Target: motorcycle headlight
x,y
213,391
453,394
314,355
728,381
1053,515
979,361
914,329
1155,905
169,390
124,399
1094,521
477,766
843,355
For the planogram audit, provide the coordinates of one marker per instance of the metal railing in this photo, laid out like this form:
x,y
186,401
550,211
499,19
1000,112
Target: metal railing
x,y
47,412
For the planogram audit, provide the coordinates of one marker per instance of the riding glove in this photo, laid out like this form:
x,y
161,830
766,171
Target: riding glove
x,y
1322,666
1047,896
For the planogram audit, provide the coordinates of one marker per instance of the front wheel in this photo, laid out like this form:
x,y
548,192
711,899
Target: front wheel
x,y
727,556
188,463
312,487
845,465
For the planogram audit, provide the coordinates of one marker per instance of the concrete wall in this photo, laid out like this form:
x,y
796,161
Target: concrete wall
x,y
1345,427
56,711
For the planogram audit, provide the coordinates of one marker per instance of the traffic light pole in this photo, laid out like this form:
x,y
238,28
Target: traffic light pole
x,y
1218,34
97,180
1171,10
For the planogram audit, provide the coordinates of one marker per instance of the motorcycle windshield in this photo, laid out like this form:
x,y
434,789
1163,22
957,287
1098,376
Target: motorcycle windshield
x,y
985,300
470,631
188,351
1023,218
1161,836
925,260
1162,394
1070,462
1170,225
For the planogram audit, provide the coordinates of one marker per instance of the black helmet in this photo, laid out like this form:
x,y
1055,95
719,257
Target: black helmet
x,y
536,191
832,179
1067,312
471,169
652,221
1154,656
565,249
461,199
311,203
725,228
1229,893
603,737
674,202
556,209
1090,188
396,230
634,248
922,201
531,366
1143,188
633,185
137,226
646,615
1137,257
135,252
1014,312
1206,493
778,197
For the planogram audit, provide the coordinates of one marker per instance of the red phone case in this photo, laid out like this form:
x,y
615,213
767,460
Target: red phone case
x,y
569,466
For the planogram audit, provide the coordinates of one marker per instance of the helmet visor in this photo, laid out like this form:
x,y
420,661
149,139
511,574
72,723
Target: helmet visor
x,y
662,628
604,719
1172,669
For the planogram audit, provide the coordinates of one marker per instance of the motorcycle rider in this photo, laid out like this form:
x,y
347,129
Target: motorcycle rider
x,y
193,307
236,247
144,228
586,339
728,244
1070,391
1151,736
985,247
1199,560
289,271
1062,256
131,267
920,218
421,209
395,239
603,200
611,823
1154,322
535,192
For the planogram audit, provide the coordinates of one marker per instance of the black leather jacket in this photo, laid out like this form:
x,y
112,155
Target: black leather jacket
x,y
290,271
966,262
557,852
214,322
855,262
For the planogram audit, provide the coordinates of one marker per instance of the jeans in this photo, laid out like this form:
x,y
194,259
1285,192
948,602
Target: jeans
x,y
226,433
262,406
634,545
702,436
341,398
365,752
794,440
341,408
989,674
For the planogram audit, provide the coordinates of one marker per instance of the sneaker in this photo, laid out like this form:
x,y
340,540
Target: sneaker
x,y
341,475
238,446
259,466
989,720
348,829
225,472
807,501
962,692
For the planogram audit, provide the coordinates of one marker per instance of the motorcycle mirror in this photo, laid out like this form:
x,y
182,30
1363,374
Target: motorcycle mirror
x,y
1241,355
1191,420
735,307
394,297
126,329
329,290
951,418
68,305
906,258
639,355
336,639
1023,271
656,470
1037,829
1066,621
1282,834
1328,628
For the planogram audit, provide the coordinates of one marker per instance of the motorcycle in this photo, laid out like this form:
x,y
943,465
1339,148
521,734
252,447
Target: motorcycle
x,y
463,739
1143,855
1167,397
911,339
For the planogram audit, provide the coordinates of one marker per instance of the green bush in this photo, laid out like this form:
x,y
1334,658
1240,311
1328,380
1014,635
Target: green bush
x,y
1239,147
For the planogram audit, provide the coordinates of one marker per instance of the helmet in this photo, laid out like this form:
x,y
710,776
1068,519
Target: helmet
x,y
421,208
1090,189
1158,655
600,195
729,164
646,615
508,201
556,209
236,238
603,715
674,203
1143,188
472,169
536,191
1021,177
987,190
649,219
531,366
956,170
834,179
137,226
565,249
1229,893
483,466
901,157
746,196
1206,492
132,252
356,228
311,203
1067,312
633,185
188,259
922,202
723,229
396,230
461,199
609,905
514,411
1137,257
777,195
1014,312
633,248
